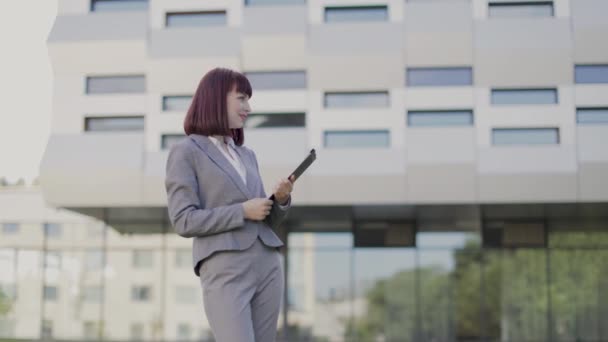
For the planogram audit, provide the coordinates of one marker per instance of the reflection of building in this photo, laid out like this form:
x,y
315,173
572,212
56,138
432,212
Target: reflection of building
x,y
477,117
68,276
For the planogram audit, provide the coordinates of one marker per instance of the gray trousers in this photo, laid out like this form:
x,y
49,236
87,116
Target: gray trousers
x,y
242,293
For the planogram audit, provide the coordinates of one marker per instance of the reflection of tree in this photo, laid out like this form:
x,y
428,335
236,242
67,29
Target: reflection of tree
x,y
5,304
492,293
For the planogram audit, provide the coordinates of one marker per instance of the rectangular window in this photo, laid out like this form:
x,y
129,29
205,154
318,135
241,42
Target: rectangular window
x,y
179,103
356,139
184,332
118,5
90,331
133,84
356,13
525,136
524,96
356,99
52,230
592,115
46,330
439,118
183,258
143,259
451,76
92,294
10,228
274,2
9,291
141,293
167,140
196,19
93,259
276,120
520,9
114,124
137,332
50,293
52,260
591,73
185,294
280,80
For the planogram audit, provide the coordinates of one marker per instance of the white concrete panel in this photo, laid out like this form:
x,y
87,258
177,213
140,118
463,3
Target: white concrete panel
x,y
366,161
593,182
278,147
191,42
99,57
279,101
355,72
589,25
592,143
591,95
292,19
440,145
153,179
289,51
182,75
526,188
129,25
102,169
433,38
356,38
70,7
419,98
442,183
523,52
527,160
159,8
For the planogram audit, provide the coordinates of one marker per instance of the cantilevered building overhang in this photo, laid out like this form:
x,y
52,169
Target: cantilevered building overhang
x,y
452,177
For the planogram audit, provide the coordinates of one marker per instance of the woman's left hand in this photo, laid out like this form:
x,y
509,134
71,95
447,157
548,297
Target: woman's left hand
x,y
283,189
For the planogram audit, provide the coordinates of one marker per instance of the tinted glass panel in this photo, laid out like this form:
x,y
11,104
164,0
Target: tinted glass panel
x,y
345,14
439,76
118,5
540,9
168,140
341,139
276,120
277,80
591,73
176,103
440,118
592,115
354,100
116,84
532,136
196,19
127,123
524,96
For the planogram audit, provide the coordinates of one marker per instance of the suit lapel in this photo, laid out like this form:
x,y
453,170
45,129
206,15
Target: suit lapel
x,y
205,144
249,168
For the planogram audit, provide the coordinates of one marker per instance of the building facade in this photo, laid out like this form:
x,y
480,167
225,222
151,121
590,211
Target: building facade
x,y
460,190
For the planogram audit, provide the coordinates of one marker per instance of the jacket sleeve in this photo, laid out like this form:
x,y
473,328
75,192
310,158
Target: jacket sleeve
x,y
186,212
278,212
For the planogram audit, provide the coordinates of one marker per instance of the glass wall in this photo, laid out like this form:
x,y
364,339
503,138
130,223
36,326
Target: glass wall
x,y
85,281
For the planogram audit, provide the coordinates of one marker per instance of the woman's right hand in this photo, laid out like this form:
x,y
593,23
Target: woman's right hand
x,y
257,209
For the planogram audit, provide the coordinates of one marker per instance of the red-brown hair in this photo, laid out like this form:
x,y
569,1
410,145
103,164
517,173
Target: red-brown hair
x,y
208,112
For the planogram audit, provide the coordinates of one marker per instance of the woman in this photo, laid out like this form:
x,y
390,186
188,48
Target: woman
x,y
215,195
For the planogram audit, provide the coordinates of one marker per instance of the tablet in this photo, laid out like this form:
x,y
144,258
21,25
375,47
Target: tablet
x,y
312,156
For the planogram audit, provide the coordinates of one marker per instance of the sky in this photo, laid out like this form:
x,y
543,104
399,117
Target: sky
x,y
25,85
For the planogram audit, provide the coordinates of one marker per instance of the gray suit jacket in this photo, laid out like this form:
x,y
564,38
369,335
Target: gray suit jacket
x,y
205,195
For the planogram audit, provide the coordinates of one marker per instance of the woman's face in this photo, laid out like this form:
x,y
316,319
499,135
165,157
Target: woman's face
x,y
238,108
